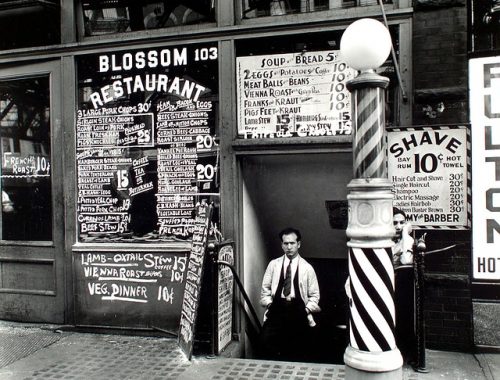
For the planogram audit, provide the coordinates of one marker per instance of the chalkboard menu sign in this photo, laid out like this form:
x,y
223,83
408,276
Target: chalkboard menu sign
x,y
224,296
135,289
193,279
146,142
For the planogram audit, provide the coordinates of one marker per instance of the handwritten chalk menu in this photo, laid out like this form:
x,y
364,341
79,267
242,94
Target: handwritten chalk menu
x,y
146,145
193,279
428,168
135,289
298,94
224,297
16,165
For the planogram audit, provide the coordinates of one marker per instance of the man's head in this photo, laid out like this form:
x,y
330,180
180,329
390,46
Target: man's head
x,y
290,241
399,220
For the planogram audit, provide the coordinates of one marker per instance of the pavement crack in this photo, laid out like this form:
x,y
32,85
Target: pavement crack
x,y
485,368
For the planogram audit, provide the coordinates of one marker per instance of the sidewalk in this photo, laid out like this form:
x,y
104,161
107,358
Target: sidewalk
x,y
45,352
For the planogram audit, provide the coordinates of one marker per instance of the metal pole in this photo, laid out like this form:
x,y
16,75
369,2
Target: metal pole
x,y
213,255
394,56
243,292
419,266
372,351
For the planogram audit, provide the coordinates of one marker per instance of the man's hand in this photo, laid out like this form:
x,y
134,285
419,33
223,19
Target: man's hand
x,y
266,312
407,228
310,320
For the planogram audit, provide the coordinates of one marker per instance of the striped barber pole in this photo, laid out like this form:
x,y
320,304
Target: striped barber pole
x,y
372,343
370,156
372,316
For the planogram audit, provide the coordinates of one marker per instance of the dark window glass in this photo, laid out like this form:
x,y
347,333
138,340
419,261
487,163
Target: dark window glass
x,y
26,162
259,8
146,140
29,23
485,22
118,16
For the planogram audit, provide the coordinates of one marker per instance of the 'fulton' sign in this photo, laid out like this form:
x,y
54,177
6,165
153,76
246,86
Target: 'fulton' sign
x,y
484,83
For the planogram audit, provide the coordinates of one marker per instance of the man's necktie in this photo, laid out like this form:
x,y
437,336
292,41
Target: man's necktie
x,y
287,286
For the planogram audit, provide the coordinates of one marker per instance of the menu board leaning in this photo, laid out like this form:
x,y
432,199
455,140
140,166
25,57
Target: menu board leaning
x,y
194,276
146,143
293,95
225,283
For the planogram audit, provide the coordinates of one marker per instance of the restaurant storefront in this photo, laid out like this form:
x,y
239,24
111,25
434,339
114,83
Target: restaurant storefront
x,y
115,126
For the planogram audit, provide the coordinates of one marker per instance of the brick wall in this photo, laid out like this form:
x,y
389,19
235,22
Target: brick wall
x,y
440,63
447,315
447,302
440,97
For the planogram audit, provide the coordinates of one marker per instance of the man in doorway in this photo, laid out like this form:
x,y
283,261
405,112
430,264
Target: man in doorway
x,y
290,294
402,251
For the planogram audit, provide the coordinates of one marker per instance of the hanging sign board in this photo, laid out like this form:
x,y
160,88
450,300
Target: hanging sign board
x,y
429,169
484,84
225,283
293,95
194,275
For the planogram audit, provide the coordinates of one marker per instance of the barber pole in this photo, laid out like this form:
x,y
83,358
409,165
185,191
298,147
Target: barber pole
x,y
372,288
372,347
370,158
372,352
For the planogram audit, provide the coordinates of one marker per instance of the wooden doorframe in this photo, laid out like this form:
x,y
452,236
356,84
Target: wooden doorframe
x,y
41,298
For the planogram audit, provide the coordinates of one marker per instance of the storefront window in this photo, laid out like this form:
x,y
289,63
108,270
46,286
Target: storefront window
x,y
295,86
146,142
25,155
260,8
118,16
485,24
29,23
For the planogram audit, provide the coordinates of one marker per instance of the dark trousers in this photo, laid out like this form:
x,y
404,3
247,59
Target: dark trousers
x,y
405,313
286,333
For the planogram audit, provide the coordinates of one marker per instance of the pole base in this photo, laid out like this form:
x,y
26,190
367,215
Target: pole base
x,y
357,374
386,365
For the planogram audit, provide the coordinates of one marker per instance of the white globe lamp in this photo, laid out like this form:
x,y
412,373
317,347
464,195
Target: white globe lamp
x,y
365,44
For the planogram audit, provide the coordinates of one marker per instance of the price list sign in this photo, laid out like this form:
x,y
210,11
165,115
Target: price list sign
x,y
14,165
105,189
136,288
146,144
183,139
225,283
293,95
429,170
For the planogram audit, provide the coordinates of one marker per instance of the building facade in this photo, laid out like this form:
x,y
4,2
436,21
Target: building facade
x,y
118,117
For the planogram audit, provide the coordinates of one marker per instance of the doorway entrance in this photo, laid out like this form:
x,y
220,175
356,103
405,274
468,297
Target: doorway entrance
x,y
294,190
31,232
